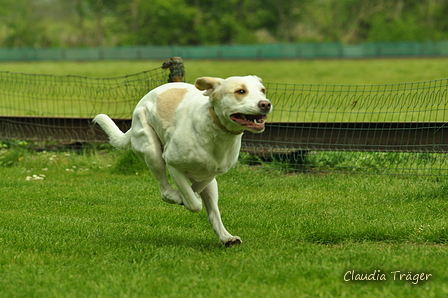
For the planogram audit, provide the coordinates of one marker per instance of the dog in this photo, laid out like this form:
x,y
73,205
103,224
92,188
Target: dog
x,y
195,131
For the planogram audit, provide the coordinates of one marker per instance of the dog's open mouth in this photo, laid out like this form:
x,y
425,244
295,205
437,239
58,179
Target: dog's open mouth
x,y
252,122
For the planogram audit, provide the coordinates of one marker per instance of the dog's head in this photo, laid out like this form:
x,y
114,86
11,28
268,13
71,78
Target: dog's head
x,y
239,102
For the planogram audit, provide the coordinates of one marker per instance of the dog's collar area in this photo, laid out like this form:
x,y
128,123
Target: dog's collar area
x,y
217,122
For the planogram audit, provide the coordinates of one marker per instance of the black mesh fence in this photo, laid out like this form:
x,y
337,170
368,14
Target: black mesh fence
x,y
391,129
74,96
61,108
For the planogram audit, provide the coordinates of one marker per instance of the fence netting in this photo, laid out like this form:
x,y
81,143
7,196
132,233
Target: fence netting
x,y
407,102
392,128
74,96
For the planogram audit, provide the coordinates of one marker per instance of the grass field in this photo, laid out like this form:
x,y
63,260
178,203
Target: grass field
x,y
93,225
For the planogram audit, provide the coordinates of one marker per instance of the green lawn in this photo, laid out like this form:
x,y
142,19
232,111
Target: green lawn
x,y
348,72
93,225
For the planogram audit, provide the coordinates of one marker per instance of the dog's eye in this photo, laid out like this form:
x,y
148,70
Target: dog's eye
x,y
263,91
240,91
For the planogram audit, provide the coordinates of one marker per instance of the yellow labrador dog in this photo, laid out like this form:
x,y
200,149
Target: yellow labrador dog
x,y
196,135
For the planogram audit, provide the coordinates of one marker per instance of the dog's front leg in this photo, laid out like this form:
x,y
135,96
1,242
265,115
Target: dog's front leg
x,y
210,197
190,199
199,186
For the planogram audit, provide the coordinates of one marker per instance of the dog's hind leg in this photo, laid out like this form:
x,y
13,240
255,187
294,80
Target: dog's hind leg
x,y
147,146
210,198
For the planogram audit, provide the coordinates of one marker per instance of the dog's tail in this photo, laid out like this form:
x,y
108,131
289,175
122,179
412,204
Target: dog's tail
x,y
117,138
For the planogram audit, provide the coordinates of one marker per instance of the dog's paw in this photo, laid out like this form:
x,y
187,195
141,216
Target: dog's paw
x,y
234,240
172,197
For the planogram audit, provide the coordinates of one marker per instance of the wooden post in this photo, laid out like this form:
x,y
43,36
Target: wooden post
x,y
177,71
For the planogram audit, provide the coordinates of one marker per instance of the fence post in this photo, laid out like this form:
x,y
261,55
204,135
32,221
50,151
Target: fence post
x,y
177,71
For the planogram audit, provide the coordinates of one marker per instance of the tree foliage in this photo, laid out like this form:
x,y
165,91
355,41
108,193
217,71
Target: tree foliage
x,y
61,23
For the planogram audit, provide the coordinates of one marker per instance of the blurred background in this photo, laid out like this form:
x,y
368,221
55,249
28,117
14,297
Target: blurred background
x,y
109,23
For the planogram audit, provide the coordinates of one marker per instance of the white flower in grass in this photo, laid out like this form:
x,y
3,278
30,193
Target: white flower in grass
x,y
35,177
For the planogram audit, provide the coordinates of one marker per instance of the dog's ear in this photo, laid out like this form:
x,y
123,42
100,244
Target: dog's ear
x,y
208,83
258,78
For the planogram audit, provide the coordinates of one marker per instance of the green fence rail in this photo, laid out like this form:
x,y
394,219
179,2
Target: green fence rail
x,y
259,51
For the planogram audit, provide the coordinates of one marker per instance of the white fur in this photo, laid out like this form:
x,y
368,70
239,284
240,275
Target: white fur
x,y
172,128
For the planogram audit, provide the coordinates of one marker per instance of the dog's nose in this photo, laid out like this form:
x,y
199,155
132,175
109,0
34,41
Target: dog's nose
x,y
264,105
